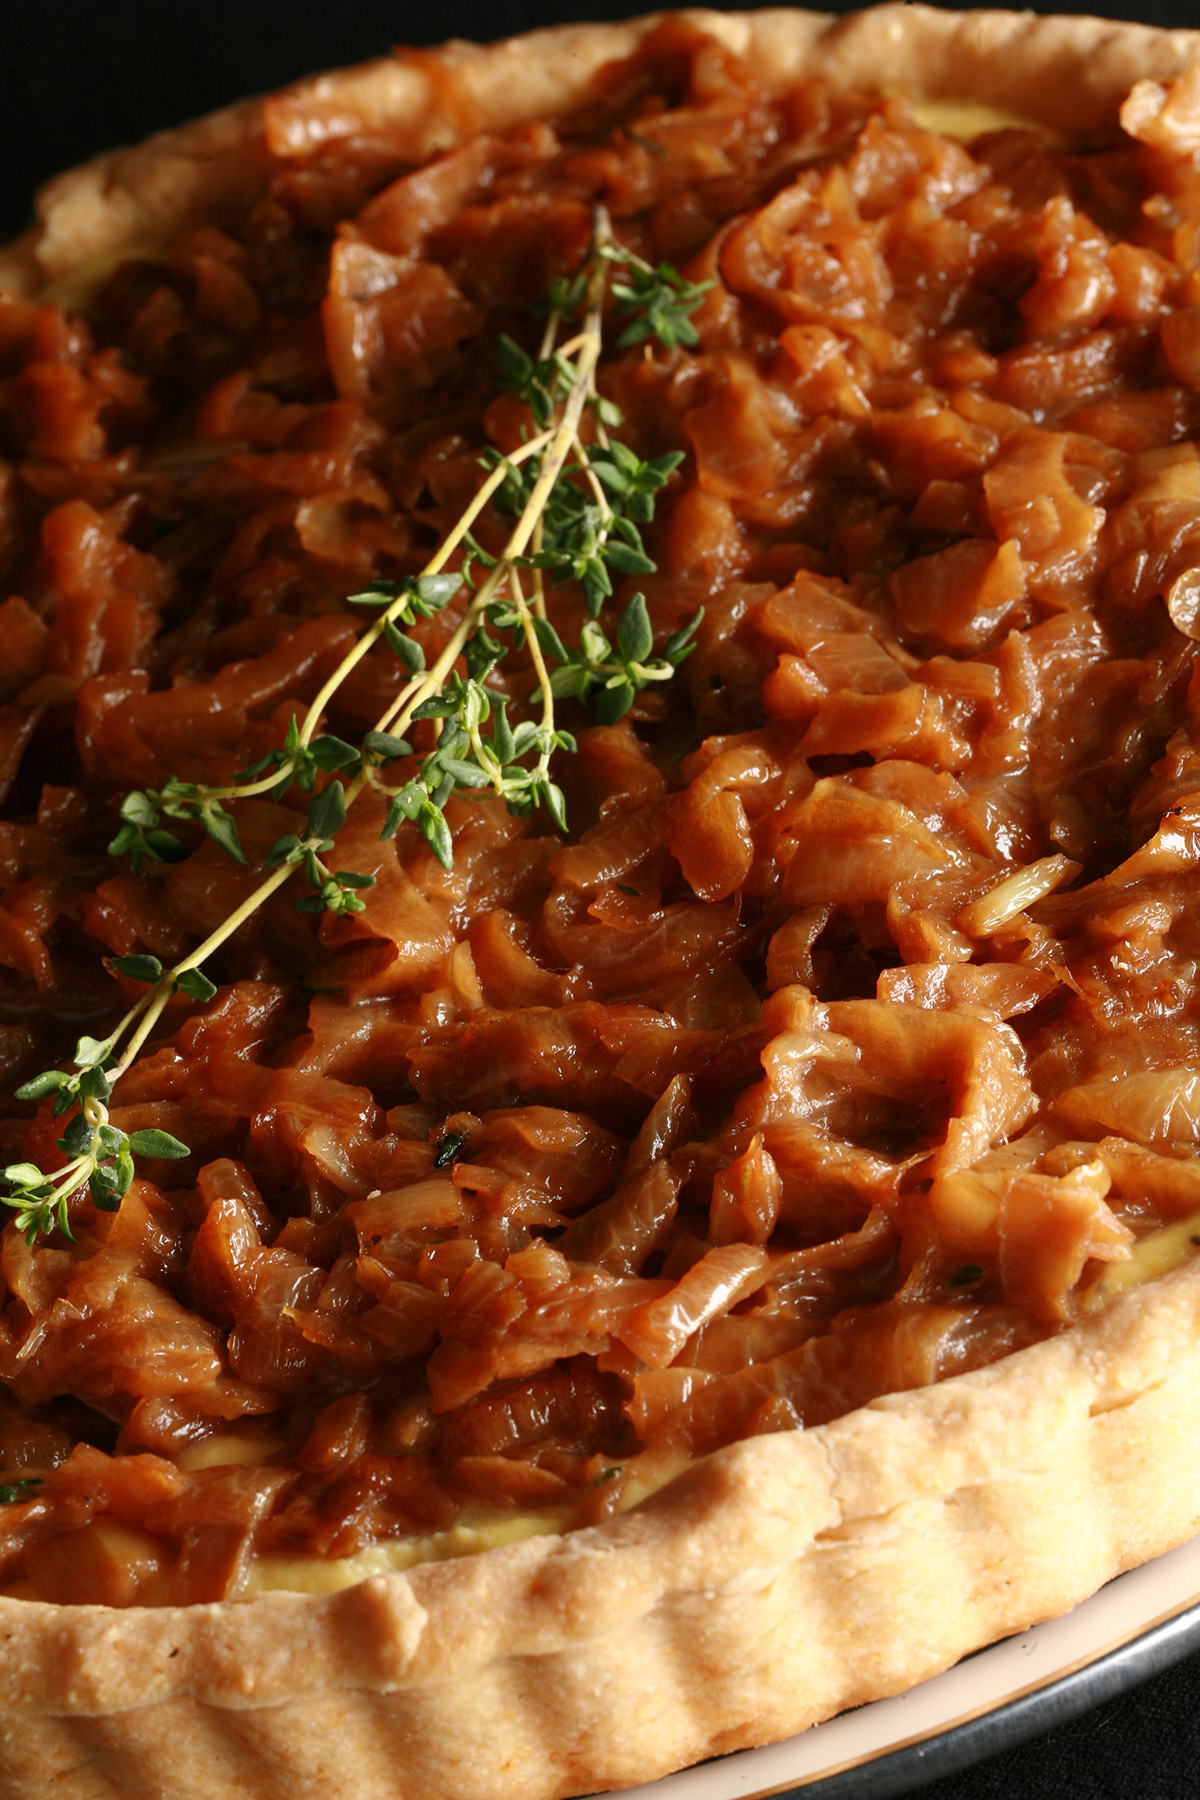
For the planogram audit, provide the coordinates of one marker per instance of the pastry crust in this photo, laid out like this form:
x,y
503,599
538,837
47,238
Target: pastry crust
x,y
774,1584
778,1581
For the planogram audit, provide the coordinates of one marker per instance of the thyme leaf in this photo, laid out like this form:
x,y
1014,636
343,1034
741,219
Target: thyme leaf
x,y
21,1489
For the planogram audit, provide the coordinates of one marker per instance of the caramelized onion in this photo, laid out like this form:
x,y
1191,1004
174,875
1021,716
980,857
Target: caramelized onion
x,y
851,1032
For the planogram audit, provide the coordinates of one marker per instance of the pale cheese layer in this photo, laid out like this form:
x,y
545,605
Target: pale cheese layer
x,y
325,1575
967,119
1155,1255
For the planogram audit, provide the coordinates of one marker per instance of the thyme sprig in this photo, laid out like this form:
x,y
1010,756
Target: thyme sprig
x,y
99,1154
657,303
611,676
577,509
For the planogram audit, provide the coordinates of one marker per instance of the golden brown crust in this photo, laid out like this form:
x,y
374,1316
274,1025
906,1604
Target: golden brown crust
x,y
742,1604
780,1580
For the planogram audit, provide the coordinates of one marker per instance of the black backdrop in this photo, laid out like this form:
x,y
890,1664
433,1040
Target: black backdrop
x,y
77,78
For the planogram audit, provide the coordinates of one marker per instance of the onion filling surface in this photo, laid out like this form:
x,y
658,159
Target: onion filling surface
x,y
847,1041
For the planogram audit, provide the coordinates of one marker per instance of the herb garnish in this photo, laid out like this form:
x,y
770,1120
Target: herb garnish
x,y
449,1148
577,509
22,1489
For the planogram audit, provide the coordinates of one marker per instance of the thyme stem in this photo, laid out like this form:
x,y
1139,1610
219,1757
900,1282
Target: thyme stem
x,y
151,1009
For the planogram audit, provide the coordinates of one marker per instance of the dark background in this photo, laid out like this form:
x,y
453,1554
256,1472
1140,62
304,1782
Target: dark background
x,y
77,78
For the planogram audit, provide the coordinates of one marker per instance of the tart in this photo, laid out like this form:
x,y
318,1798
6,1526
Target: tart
x,y
626,1298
